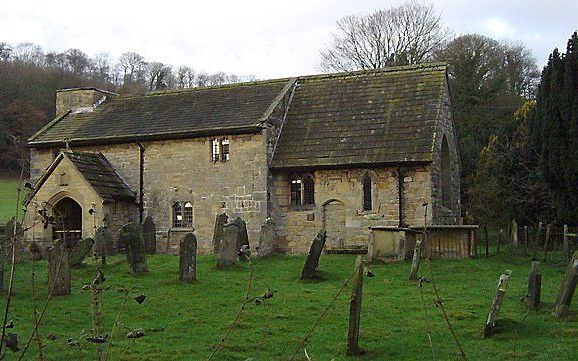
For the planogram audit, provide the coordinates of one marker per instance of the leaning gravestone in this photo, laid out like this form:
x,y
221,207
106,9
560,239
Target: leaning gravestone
x,y
496,304
534,286
266,238
312,260
80,251
220,221
149,233
242,237
188,258
567,288
228,251
58,270
131,236
355,309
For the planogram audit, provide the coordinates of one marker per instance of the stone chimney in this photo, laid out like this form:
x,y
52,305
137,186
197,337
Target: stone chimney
x,y
80,100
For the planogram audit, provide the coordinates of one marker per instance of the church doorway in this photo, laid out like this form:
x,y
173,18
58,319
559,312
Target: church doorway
x,y
67,221
334,223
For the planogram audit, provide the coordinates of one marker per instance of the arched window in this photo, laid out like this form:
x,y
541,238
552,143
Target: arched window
x,y
367,206
296,191
177,215
188,215
446,175
308,190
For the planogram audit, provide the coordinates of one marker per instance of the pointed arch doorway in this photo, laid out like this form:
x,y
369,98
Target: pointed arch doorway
x,y
67,221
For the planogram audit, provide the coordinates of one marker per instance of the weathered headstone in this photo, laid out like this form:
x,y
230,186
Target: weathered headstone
x,y
103,242
242,238
149,233
514,233
220,221
188,258
266,238
496,303
534,286
228,251
131,236
80,251
415,261
58,270
355,309
312,260
567,288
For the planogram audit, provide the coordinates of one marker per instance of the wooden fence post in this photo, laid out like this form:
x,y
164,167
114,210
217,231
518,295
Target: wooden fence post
x,y
537,240
496,303
566,243
514,233
355,310
487,241
534,286
547,240
567,288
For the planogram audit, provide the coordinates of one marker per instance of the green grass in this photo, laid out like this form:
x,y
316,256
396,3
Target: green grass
x,y
393,325
8,192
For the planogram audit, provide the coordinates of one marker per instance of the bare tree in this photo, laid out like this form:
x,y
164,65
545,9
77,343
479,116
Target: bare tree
x,y
78,61
27,53
407,34
132,66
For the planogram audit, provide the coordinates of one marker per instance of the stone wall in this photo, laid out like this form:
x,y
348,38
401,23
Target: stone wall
x,y
40,160
339,206
441,213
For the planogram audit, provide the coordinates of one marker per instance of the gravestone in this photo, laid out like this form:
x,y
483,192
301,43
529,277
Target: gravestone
x,y
415,261
149,233
131,236
188,258
220,221
58,270
228,251
312,260
80,251
103,242
534,286
496,303
266,238
567,288
243,237
355,309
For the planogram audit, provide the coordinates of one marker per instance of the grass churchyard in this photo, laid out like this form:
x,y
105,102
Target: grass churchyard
x,y
185,321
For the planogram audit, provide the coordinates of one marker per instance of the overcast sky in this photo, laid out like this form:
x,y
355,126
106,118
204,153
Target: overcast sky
x,y
263,38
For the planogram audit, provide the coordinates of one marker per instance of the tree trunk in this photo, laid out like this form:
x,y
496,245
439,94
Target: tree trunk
x,y
514,233
537,240
547,240
566,243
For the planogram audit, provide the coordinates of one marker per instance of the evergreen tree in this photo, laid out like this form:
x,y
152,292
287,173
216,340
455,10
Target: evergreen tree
x,y
554,129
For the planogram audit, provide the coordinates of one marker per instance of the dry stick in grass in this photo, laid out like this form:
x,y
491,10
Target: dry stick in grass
x,y
321,317
114,324
238,315
35,312
13,244
439,302
37,323
433,352
517,332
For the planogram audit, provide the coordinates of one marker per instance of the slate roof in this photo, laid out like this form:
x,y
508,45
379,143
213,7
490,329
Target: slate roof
x,y
366,117
97,171
191,112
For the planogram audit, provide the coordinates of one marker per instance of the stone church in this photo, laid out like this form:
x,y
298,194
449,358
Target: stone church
x,y
341,151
